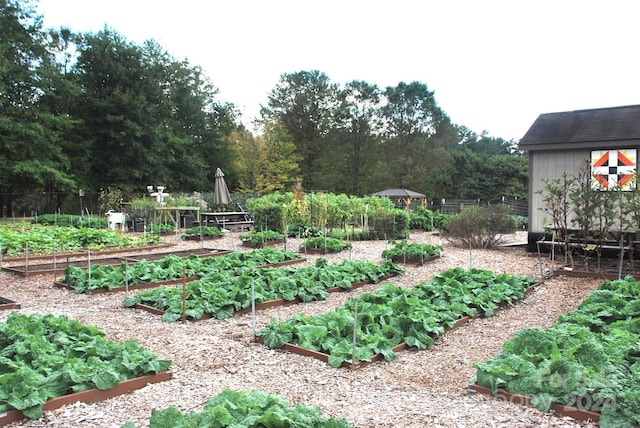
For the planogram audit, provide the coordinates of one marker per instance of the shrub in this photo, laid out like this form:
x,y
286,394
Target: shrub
x,y
480,226
425,219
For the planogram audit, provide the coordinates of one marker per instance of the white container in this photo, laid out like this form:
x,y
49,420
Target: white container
x,y
115,221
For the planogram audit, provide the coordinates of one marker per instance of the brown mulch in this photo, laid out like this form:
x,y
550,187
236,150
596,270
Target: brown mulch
x,y
418,389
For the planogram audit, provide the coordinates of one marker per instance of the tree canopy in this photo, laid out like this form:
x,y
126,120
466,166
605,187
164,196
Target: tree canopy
x,y
95,110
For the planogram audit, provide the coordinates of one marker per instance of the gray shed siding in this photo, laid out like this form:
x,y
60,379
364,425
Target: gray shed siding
x,y
549,164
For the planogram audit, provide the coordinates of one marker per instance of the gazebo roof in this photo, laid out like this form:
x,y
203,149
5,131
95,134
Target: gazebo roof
x,y
399,193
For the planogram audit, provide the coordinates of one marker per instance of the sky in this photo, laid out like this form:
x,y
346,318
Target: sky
x,y
493,65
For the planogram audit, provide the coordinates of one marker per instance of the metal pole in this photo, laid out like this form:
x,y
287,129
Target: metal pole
x,y
355,335
26,259
253,312
184,293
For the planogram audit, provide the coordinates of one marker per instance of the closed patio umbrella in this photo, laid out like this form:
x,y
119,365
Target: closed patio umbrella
x,y
221,194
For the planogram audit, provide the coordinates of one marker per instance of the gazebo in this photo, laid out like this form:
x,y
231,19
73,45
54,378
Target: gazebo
x,y
404,195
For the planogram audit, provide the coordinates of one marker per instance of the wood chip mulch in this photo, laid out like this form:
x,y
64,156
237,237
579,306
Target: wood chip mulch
x,y
426,388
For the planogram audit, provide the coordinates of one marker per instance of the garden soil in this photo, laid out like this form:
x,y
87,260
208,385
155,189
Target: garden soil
x,y
427,388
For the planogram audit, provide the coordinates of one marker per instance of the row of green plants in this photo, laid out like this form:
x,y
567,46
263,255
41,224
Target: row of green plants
x,y
222,293
298,212
393,315
170,267
590,359
202,232
257,237
412,250
37,239
325,243
70,220
46,356
253,408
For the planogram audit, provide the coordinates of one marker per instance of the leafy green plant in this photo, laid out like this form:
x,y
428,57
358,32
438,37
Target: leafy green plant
x,y
413,250
69,220
161,228
168,268
588,359
44,239
259,237
47,356
221,293
203,231
393,315
251,408
326,243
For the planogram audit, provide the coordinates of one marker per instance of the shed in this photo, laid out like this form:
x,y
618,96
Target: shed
x,y
404,195
561,142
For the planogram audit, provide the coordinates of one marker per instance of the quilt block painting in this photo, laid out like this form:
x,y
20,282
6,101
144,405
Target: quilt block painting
x,y
613,169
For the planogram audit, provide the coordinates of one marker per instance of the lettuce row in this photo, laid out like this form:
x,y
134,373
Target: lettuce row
x,y
590,359
252,408
221,293
47,356
168,268
393,315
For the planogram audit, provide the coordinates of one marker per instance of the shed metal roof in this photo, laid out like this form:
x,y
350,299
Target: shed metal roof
x,y
612,124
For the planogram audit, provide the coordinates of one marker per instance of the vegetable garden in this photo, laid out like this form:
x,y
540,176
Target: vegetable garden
x,y
239,290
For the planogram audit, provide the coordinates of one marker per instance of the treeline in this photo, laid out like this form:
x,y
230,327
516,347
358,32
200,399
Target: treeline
x,y
94,111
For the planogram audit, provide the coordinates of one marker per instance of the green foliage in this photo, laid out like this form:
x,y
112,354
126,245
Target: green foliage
x,y
110,199
221,293
326,243
203,231
251,408
45,356
259,237
425,219
389,224
44,239
168,268
588,359
393,315
479,226
413,250
70,221
268,211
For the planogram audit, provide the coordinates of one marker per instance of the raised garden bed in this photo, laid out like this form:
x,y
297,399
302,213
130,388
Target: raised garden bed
x,y
413,260
582,415
222,296
262,305
586,359
199,238
393,317
295,349
84,254
132,287
90,396
283,302
324,245
147,285
199,252
49,268
61,264
170,269
262,244
62,360
377,357
6,304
